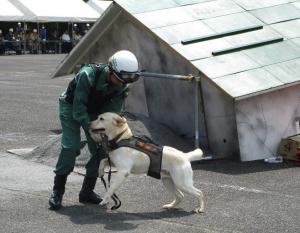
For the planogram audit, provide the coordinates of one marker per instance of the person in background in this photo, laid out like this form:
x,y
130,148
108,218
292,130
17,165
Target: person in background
x,y
66,42
2,46
12,43
76,38
53,42
44,38
20,36
27,34
87,28
19,30
94,90
75,28
34,41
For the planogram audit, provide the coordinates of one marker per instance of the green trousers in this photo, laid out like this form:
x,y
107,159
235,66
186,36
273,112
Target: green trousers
x,y
70,143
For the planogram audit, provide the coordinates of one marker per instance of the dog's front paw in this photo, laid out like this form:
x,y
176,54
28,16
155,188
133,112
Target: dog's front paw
x,y
168,206
105,201
199,210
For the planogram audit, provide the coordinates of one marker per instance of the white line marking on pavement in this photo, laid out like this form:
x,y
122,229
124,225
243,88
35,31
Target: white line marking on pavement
x,y
250,190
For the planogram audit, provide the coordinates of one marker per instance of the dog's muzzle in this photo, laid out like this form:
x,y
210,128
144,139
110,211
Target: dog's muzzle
x,y
100,130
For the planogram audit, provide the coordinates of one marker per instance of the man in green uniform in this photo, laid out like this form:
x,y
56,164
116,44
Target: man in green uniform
x,y
94,90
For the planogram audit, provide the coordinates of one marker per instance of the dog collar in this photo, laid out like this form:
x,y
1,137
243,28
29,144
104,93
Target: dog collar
x,y
113,142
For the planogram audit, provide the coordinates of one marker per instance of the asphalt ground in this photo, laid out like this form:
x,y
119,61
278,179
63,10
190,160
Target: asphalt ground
x,y
240,197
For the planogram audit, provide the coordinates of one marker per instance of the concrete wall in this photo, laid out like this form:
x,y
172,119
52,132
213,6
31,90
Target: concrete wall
x,y
220,121
166,101
263,120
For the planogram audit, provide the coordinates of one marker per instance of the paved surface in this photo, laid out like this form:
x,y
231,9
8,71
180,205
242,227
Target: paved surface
x,y
28,99
240,197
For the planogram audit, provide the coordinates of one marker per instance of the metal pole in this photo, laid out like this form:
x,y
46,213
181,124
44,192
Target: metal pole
x,y
167,76
197,110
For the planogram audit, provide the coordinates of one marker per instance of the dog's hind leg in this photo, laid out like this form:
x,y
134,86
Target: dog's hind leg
x,y
118,180
183,179
169,184
197,193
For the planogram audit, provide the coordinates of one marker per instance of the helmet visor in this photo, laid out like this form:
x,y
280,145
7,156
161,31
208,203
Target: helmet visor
x,y
126,77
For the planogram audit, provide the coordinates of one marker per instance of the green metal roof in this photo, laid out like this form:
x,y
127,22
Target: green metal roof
x,y
255,67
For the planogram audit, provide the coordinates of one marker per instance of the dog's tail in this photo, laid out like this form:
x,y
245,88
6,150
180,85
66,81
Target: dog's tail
x,y
195,155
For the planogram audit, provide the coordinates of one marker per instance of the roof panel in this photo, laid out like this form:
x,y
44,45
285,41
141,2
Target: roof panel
x,y
140,6
183,14
274,53
286,72
256,4
165,17
176,33
232,22
247,82
290,29
296,41
277,14
204,49
251,37
201,49
213,9
225,64
188,2
297,4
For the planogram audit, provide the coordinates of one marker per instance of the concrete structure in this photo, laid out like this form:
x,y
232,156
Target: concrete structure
x,y
99,5
246,53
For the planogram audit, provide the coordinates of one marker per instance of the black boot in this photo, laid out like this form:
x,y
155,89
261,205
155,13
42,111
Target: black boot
x,y
87,194
58,192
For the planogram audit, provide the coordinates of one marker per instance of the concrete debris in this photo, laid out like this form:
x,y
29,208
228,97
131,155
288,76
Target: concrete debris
x,y
22,151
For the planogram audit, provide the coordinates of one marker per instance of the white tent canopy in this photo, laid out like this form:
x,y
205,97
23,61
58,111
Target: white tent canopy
x,y
99,5
56,10
8,12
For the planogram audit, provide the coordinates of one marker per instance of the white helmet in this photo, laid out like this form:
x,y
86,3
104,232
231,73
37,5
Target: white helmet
x,y
125,66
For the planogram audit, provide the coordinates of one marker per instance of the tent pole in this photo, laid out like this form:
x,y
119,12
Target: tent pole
x,y
72,36
57,49
38,26
24,37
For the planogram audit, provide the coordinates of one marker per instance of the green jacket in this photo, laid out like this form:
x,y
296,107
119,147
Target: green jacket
x,y
85,79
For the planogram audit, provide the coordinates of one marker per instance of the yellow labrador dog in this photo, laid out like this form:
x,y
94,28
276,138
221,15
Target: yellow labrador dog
x,y
176,170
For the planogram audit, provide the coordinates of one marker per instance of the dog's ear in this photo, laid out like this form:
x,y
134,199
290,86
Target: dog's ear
x,y
119,121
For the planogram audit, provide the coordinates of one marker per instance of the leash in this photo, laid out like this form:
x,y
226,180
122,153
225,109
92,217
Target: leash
x,y
114,197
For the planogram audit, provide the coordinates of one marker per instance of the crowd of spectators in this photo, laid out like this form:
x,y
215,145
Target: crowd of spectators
x,y
31,40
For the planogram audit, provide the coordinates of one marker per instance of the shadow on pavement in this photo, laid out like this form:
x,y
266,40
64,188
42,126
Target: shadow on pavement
x,y
118,220
237,168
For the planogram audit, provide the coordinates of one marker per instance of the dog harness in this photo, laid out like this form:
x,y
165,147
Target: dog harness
x,y
145,145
